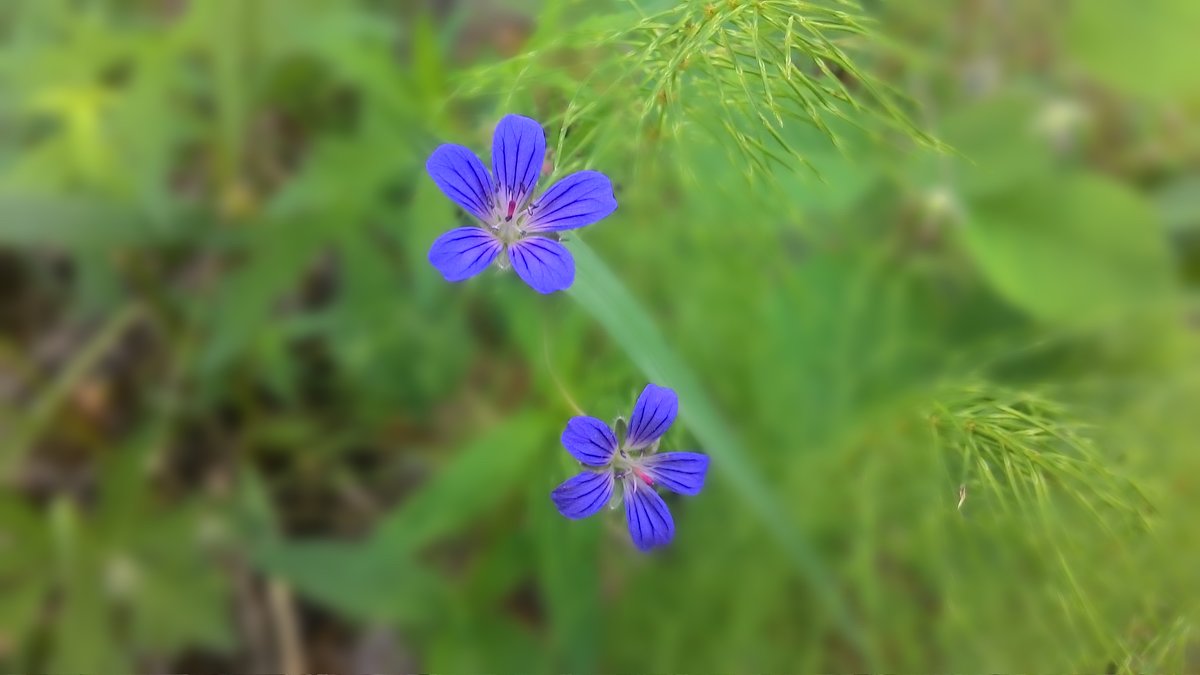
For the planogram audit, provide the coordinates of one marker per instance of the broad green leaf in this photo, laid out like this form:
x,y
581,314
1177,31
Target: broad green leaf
x,y
360,580
999,145
1144,47
83,642
599,291
1069,250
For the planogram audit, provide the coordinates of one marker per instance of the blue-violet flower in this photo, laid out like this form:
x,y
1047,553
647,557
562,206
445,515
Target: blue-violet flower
x,y
511,224
635,462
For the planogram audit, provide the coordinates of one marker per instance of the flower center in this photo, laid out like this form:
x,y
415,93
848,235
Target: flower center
x,y
508,222
625,464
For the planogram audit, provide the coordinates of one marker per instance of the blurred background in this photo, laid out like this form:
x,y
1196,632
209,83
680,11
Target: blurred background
x,y
924,275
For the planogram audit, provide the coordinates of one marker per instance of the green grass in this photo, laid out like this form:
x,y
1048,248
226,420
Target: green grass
x,y
921,274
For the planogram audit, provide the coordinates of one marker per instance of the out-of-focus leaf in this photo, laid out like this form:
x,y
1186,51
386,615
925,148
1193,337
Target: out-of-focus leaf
x,y
83,643
82,640
474,642
24,577
568,572
1070,250
378,334
999,146
75,223
359,579
479,477
1179,203
255,519
173,569
135,559
1145,48
380,578
245,300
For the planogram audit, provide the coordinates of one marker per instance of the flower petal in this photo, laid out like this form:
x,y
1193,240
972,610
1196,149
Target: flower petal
x,y
464,252
653,414
584,494
575,201
589,440
462,178
650,523
681,472
518,150
545,265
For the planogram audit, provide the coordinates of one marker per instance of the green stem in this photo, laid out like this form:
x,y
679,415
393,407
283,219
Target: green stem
x,y
48,401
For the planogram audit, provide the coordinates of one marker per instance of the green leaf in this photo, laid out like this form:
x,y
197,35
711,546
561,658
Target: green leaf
x,y
477,642
77,223
173,569
24,577
1144,48
568,572
477,479
1179,203
360,580
998,143
83,641
241,308
380,579
606,299
1070,250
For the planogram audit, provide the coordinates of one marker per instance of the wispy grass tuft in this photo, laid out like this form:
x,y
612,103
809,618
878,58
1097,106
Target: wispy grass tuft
x,y
745,73
1025,452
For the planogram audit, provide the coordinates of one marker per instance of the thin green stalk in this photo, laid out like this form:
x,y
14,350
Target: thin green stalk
x,y
48,401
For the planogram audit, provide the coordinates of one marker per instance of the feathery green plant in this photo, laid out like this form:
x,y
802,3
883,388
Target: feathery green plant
x,y
743,71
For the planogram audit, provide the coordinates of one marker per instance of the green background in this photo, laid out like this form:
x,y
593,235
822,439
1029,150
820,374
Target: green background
x,y
924,275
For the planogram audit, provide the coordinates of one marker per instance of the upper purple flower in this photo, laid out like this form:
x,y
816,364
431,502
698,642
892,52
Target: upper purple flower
x,y
510,222
633,461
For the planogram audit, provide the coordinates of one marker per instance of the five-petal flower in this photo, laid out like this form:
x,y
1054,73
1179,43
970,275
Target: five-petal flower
x,y
511,224
634,462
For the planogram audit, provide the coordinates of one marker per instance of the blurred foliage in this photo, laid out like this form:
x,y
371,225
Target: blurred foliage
x,y
923,274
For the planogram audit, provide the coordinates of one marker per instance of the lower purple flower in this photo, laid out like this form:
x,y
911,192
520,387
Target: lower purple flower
x,y
634,462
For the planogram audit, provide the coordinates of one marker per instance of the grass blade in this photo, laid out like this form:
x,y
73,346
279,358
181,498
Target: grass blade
x,y
599,291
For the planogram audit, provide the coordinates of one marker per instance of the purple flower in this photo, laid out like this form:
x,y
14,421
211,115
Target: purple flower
x,y
511,225
635,463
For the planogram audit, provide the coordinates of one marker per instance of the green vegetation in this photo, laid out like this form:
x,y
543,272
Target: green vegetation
x,y
924,275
